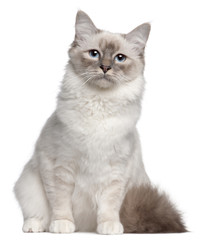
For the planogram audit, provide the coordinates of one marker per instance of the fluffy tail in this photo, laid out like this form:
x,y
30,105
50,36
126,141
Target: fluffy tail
x,y
146,210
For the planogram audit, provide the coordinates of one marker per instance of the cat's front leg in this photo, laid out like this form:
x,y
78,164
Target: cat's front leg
x,y
59,186
109,205
62,215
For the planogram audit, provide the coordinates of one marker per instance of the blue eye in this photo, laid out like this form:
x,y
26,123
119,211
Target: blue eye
x,y
94,53
120,58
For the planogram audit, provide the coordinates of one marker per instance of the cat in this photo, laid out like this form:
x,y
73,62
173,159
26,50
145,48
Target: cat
x,y
86,173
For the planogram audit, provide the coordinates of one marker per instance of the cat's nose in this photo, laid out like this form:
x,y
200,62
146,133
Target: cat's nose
x,y
105,68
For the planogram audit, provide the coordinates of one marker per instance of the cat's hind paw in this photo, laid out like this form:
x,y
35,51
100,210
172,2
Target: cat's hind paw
x,y
110,227
33,225
62,226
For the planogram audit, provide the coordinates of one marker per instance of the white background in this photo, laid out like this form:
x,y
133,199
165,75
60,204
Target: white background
x,y
34,39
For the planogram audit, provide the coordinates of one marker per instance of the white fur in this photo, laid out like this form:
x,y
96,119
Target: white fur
x,y
88,154
87,157
62,226
33,225
110,227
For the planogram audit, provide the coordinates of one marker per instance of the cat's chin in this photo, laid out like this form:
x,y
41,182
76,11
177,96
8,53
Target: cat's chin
x,y
103,82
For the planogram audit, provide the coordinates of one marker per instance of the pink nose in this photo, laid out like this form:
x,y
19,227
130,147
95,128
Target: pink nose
x,y
105,68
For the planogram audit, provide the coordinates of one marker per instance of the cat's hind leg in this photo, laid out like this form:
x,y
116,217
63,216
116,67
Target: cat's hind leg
x,y
31,196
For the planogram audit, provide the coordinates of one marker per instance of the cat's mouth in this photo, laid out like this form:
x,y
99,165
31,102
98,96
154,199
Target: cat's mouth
x,y
103,81
108,78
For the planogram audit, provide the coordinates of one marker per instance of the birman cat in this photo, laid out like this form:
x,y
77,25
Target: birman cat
x,y
86,173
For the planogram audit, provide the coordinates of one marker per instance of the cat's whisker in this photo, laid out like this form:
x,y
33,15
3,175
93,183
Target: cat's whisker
x,y
117,78
87,81
80,75
126,80
124,77
83,75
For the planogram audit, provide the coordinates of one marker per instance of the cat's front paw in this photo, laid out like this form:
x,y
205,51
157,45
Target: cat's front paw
x,y
110,227
33,225
62,226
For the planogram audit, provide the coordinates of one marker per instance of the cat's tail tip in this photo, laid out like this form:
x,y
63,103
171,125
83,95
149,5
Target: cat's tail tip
x,y
146,210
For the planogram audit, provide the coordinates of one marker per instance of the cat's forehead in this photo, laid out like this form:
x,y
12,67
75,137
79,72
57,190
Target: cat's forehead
x,y
112,42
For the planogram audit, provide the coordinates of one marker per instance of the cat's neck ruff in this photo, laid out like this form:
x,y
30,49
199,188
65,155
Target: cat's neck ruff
x,y
91,105
74,87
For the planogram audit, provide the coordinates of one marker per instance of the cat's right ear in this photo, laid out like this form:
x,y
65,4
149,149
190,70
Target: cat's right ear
x,y
84,27
139,36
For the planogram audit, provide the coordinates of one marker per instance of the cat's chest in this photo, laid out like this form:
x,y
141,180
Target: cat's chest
x,y
95,125
95,115
97,108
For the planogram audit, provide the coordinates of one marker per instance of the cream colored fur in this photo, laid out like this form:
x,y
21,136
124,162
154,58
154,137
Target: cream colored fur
x,y
86,159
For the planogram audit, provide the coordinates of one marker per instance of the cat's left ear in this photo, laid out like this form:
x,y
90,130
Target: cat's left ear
x,y
84,27
139,35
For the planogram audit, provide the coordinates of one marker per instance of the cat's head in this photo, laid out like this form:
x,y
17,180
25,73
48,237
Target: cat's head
x,y
103,59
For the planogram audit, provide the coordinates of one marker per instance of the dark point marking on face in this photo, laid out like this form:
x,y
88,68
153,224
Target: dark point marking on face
x,y
126,68
88,63
109,47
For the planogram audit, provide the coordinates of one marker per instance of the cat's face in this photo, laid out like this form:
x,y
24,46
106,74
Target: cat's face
x,y
103,59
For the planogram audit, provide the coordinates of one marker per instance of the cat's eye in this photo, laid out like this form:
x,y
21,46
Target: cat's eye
x,y
94,53
120,58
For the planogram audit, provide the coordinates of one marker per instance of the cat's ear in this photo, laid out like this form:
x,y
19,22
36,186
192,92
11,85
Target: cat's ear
x,y
84,27
139,35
